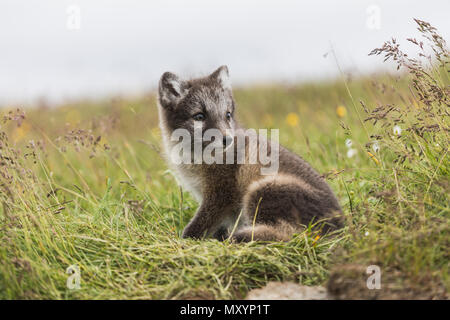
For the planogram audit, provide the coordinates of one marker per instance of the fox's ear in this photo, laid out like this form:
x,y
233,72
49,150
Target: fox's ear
x,y
221,75
171,89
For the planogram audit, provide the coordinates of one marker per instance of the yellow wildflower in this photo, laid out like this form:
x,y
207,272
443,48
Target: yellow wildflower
x,y
341,111
373,157
315,240
292,119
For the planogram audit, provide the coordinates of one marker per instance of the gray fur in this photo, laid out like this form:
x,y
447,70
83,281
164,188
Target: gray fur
x,y
283,203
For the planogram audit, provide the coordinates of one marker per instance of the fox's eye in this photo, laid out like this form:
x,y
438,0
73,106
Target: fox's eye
x,y
228,115
199,117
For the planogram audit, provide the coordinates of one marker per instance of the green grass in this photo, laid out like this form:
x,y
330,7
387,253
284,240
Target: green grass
x,y
91,189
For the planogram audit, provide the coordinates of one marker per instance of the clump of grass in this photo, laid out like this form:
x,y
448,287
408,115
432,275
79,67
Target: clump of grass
x,y
124,240
406,222
84,184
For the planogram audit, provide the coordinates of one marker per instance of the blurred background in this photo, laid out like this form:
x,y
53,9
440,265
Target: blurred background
x,y
83,181
58,50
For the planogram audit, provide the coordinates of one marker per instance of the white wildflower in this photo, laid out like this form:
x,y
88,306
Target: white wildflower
x,y
348,143
397,130
351,153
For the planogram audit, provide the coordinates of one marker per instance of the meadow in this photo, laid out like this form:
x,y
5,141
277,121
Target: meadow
x,y
85,184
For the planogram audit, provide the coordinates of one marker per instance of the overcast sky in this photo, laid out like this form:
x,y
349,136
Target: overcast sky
x,y
69,49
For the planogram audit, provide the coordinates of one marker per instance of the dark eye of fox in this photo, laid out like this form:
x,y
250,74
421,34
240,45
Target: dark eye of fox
x,y
199,117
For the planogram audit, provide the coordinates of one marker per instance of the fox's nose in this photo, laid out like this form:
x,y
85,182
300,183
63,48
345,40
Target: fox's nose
x,y
227,141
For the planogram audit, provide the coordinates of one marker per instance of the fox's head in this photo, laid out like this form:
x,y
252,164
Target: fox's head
x,y
204,102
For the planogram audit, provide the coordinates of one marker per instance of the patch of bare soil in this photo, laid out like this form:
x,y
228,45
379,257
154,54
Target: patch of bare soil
x,y
287,291
350,282
197,295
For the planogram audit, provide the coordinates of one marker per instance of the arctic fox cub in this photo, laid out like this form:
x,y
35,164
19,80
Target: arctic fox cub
x,y
237,199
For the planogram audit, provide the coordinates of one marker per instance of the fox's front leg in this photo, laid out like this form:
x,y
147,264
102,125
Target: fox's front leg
x,y
203,223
